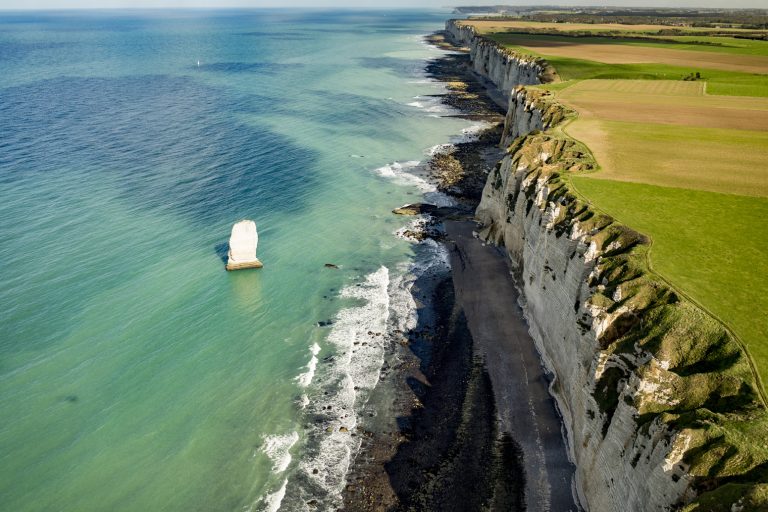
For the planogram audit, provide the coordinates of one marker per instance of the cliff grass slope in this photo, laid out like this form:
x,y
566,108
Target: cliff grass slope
x,y
661,401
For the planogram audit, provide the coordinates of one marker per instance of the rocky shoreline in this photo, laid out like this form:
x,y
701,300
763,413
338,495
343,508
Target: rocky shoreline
x,y
438,445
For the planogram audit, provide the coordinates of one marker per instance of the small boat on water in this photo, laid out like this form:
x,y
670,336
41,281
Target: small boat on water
x,y
242,246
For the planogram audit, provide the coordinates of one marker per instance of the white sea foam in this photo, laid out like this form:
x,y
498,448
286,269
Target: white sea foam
x,y
305,379
272,501
415,225
395,170
468,134
433,258
471,132
360,336
439,148
277,448
413,173
429,104
357,337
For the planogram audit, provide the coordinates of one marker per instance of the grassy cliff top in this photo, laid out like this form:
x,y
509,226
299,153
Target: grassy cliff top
x,y
677,125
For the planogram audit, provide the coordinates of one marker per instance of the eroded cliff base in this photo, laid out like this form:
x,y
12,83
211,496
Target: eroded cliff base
x,y
461,170
468,91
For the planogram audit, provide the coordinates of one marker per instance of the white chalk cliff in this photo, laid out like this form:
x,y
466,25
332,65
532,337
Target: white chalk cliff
x,y
502,67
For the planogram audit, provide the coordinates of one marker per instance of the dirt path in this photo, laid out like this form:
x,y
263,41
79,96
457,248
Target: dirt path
x,y
485,291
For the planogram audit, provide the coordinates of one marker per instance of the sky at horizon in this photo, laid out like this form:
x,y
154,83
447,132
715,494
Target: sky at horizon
x,y
165,4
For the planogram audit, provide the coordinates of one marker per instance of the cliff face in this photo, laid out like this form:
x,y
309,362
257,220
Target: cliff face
x,y
658,399
528,111
504,68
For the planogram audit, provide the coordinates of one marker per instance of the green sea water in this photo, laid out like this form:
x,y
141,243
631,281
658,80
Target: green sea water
x,y
135,373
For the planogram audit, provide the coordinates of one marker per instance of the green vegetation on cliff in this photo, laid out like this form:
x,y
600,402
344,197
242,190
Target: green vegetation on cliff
x,y
699,382
712,245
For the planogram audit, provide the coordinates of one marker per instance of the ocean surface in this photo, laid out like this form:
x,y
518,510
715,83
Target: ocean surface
x,y
136,374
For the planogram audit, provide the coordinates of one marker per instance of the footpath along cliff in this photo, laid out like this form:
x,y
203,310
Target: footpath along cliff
x,y
660,404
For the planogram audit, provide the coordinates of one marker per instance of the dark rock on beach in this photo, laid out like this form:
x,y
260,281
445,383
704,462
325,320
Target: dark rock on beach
x,y
466,91
452,457
461,170
414,209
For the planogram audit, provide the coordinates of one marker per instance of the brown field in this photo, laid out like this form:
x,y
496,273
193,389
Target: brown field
x,y
664,102
711,159
625,54
503,25
652,87
670,133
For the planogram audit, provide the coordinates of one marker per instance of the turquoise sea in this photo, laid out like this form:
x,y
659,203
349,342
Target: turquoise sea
x,y
136,374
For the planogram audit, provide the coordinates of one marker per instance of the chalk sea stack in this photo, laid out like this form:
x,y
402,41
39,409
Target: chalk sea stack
x,y
242,246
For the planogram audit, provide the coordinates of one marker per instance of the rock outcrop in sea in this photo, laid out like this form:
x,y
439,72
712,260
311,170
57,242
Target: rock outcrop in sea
x,y
242,246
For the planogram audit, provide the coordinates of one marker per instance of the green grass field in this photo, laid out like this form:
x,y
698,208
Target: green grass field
x,y
712,246
702,43
511,25
727,83
714,44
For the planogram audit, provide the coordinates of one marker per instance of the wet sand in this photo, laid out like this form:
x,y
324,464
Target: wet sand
x,y
486,293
